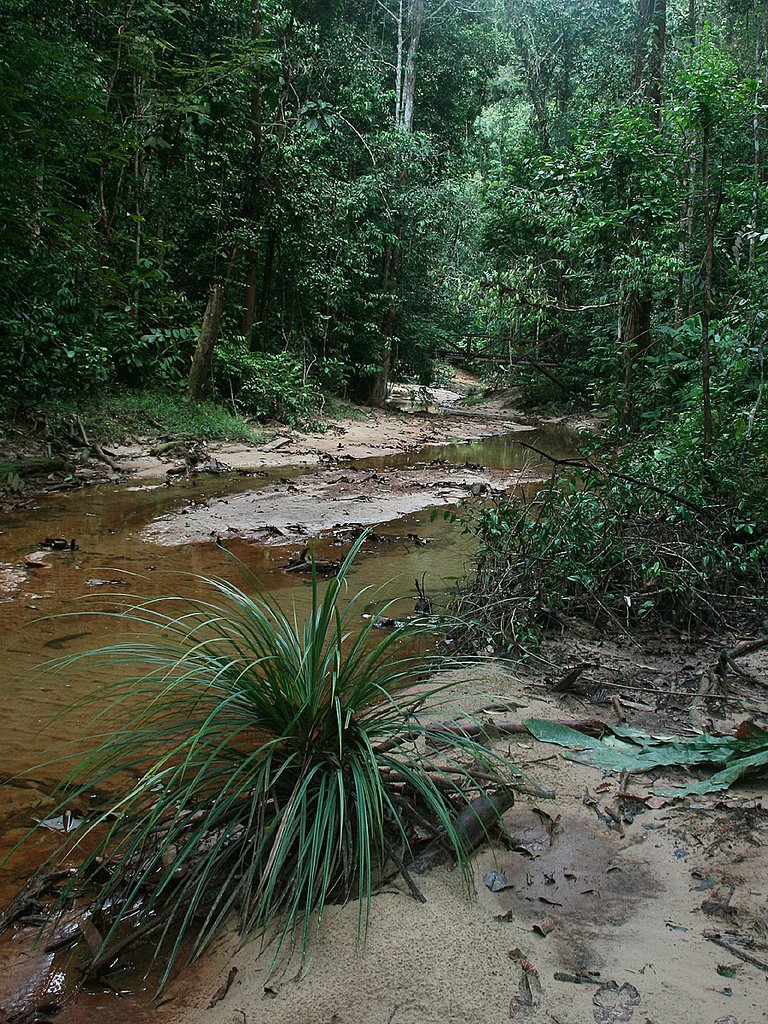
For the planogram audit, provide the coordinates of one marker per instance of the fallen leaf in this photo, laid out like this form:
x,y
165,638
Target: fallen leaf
x,y
528,996
544,927
614,1004
496,881
220,992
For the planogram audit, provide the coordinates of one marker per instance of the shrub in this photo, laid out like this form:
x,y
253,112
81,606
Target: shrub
x,y
268,385
268,765
654,531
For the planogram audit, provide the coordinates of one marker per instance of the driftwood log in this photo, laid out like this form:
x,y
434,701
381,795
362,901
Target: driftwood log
x,y
472,825
31,466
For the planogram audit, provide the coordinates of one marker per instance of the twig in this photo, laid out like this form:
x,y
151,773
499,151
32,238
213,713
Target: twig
x,y
590,466
715,937
415,890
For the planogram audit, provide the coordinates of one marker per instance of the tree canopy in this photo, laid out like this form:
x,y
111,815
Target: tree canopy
x,y
321,195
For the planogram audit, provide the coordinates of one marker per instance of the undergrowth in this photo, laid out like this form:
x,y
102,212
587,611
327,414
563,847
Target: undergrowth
x,y
125,415
650,531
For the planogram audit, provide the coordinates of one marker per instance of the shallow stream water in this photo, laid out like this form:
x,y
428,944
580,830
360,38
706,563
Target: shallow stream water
x,y
40,620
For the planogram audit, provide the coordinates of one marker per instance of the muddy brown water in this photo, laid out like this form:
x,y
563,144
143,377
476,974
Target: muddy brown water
x,y
40,615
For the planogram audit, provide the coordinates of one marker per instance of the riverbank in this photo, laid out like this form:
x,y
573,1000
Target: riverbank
x,y
605,913
630,901
120,441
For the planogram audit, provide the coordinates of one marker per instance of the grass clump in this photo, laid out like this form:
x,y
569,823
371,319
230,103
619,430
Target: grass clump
x,y
121,416
271,763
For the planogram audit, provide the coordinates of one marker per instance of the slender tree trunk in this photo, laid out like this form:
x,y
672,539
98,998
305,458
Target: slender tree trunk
x,y
416,22
209,332
251,288
636,336
405,103
389,281
266,288
399,67
761,68
253,204
685,234
711,212
138,90
649,76
656,52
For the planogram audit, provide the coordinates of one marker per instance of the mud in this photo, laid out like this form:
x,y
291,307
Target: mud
x,y
304,506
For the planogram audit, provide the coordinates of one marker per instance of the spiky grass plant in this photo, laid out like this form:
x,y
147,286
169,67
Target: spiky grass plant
x,y
267,766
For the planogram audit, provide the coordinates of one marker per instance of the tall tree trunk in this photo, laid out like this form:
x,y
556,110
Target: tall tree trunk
x,y
761,70
685,235
415,24
138,91
389,282
209,332
649,76
253,204
657,44
711,211
404,121
399,66
636,338
650,50
266,289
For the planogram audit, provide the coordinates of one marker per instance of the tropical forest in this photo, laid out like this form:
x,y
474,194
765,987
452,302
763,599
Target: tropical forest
x,y
384,511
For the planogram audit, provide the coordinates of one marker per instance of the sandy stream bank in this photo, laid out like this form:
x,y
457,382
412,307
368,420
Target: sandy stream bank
x,y
629,906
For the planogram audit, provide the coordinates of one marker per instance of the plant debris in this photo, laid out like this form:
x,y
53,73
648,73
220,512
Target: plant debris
x,y
629,750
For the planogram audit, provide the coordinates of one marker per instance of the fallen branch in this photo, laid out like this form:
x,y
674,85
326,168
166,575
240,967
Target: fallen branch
x,y
29,898
589,466
415,891
110,953
734,949
30,467
471,826
726,660
493,729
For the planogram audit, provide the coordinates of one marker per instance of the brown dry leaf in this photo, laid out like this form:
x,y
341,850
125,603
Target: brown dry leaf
x,y
528,997
220,992
613,1004
544,927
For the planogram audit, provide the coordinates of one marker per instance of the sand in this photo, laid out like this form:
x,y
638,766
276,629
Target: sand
x,y
631,906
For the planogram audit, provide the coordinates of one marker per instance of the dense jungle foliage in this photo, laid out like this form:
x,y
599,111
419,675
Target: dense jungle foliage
x,y
261,203
352,188
265,202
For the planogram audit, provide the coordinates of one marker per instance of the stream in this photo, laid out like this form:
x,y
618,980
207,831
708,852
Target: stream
x,y
111,525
